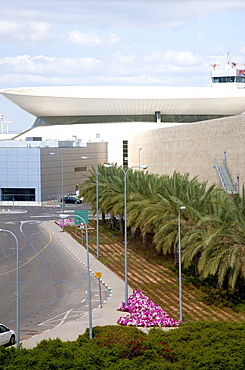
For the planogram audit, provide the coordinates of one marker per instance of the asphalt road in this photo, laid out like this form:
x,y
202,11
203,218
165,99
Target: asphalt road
x,y
53,284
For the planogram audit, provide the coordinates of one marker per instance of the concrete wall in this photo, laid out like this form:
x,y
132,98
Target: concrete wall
x,y
192,148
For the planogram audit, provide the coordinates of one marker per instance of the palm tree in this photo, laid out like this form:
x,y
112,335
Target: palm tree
x,y
219,241
213,223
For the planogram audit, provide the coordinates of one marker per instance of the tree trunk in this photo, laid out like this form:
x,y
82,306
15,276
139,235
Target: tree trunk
x,y
121,225
112,221
103,216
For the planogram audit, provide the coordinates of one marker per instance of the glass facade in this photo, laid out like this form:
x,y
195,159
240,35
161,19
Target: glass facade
x,y
17,194
229,79
52,121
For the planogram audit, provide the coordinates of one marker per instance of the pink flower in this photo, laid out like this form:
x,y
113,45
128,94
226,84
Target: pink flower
x,y
143,312
67,222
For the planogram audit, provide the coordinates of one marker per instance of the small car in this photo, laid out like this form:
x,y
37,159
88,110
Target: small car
x,y
72,199
7,336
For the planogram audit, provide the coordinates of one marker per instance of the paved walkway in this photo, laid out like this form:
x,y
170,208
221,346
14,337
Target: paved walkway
x,y
108,315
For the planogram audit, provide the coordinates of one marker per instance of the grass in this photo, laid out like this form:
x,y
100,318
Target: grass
x,y
155,275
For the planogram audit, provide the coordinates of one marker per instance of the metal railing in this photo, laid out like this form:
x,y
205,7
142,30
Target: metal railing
x,y
224,176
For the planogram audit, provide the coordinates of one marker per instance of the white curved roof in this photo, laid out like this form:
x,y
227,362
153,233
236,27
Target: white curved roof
x,y
124,100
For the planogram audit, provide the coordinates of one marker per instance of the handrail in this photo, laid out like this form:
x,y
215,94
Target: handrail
x,y
224,176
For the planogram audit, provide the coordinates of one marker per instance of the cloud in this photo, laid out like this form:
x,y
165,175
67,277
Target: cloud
x,y
92,39
44,66
119,58
27,33
78,38
40,31
183,58
120,13
7,27
172,57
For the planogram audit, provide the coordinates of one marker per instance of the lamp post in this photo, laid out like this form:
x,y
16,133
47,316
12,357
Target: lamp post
x,y
180,278
2,116
62,184
17,287
88,274
125,225
97,206
139,155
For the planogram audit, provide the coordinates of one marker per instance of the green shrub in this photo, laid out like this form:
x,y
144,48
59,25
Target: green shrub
x,y
192,346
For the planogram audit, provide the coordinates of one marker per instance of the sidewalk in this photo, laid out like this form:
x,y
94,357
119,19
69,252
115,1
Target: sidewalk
x,y
108,315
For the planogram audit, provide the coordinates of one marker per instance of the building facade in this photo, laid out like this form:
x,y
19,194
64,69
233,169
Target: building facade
x,y
195,130
30,175
195,149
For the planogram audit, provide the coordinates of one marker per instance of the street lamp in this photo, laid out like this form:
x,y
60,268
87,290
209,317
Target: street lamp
x,y
97,206
125,225
62,185
139,155
17,287
180,278
88,273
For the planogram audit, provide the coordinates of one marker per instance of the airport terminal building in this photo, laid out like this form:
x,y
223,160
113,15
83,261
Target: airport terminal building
x,y
199,131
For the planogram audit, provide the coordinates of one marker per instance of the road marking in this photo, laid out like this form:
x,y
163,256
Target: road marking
x,y
31,258
59,281
61,318
65,316
51,216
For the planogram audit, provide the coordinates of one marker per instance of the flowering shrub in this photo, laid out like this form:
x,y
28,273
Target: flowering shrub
x,y
143,312
130,343
67,222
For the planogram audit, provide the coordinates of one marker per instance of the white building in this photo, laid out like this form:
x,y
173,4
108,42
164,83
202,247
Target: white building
x,y
137,115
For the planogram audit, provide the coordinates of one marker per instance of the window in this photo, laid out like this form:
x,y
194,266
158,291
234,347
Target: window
x,y
125,153
18,194
79,169
240,79
229,79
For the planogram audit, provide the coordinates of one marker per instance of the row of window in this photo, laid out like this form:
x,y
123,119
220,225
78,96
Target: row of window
x,y
18,194
229,79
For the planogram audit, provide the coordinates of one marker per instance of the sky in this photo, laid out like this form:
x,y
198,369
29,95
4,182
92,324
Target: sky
x,y
114,42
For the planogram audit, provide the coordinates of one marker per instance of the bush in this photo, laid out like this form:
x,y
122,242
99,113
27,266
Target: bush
x,y
192,346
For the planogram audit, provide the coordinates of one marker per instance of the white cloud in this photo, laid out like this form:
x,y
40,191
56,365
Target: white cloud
x,y
172,57
43,66
7,27
40,31
92,39
117,13
25,32
123,59
183,58
24,60
79,38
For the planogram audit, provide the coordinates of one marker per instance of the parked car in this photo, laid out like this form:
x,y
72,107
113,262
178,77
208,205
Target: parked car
x,y
72,199
7,336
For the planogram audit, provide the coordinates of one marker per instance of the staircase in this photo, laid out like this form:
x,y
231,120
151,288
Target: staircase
x,y
225,177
